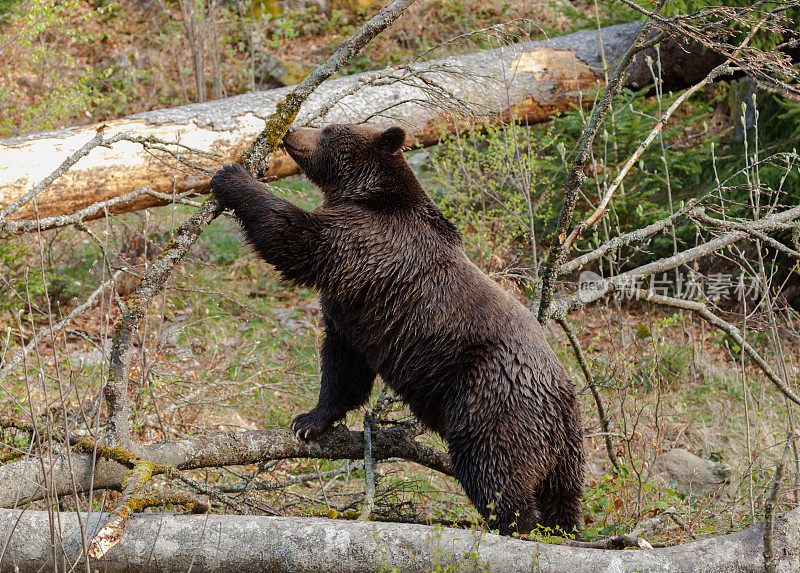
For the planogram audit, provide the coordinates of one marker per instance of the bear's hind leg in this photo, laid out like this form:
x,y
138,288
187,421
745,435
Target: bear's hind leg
x,y
561,492
492,484
345,385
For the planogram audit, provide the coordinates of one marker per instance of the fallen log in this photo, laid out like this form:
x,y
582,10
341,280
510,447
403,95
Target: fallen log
x,y
168,542
530,81
34,478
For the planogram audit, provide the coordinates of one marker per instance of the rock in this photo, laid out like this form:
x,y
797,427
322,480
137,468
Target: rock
x,y
93,357
270,72
656,525
419,160
693,474
287,317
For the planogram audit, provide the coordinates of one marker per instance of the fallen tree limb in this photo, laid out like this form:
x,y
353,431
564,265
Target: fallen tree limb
x,y
32,478
166,543
531,81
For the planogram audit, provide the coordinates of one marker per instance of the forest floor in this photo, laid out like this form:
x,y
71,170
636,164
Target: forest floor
x,y
229,347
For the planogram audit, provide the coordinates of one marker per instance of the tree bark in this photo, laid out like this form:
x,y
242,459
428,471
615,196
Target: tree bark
x,y
531,81
167,542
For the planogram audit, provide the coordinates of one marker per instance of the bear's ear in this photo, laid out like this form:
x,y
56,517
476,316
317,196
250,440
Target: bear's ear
x,y
392,139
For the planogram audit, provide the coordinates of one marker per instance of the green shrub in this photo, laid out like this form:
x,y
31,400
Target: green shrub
x,y
491,185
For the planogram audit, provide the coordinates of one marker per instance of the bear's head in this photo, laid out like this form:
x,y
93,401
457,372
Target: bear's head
x,y
354,162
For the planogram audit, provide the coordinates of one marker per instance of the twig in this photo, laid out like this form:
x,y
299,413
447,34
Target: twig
x,y
369,471
742,226
8,228
769,516
90,302
624,280
603,206
214,493
702,311
255,158
15,206
601,412
302,478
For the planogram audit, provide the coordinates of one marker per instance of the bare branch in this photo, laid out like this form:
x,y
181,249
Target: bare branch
x,y
587,373
255,158
576,176
703,312
624,280
58,172
770,565
8,228
603,206
369,471
90,302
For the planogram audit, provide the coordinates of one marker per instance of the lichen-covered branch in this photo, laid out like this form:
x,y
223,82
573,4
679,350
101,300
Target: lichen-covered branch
x,y
111,532
116,389
34,478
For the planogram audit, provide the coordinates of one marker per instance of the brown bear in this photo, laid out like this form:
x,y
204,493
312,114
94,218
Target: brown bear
x,y
401,299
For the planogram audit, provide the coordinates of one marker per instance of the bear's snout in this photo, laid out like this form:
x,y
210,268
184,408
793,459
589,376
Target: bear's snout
x,y
301,140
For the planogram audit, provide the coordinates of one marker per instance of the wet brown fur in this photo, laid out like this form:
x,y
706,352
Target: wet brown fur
x,y
401,299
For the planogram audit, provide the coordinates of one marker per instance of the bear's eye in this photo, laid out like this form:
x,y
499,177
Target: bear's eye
x,y
328,130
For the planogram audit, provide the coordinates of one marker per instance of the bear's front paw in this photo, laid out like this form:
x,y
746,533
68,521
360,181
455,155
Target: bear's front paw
x,y
309,426
229,182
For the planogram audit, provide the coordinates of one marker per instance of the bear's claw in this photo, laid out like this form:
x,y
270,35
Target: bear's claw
x,y
228,181
308,426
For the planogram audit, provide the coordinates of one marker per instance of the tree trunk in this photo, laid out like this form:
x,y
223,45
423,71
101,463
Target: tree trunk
x,y
167,542
531,81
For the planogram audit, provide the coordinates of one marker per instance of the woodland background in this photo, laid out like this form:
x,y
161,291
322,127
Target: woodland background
x,y
696,428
